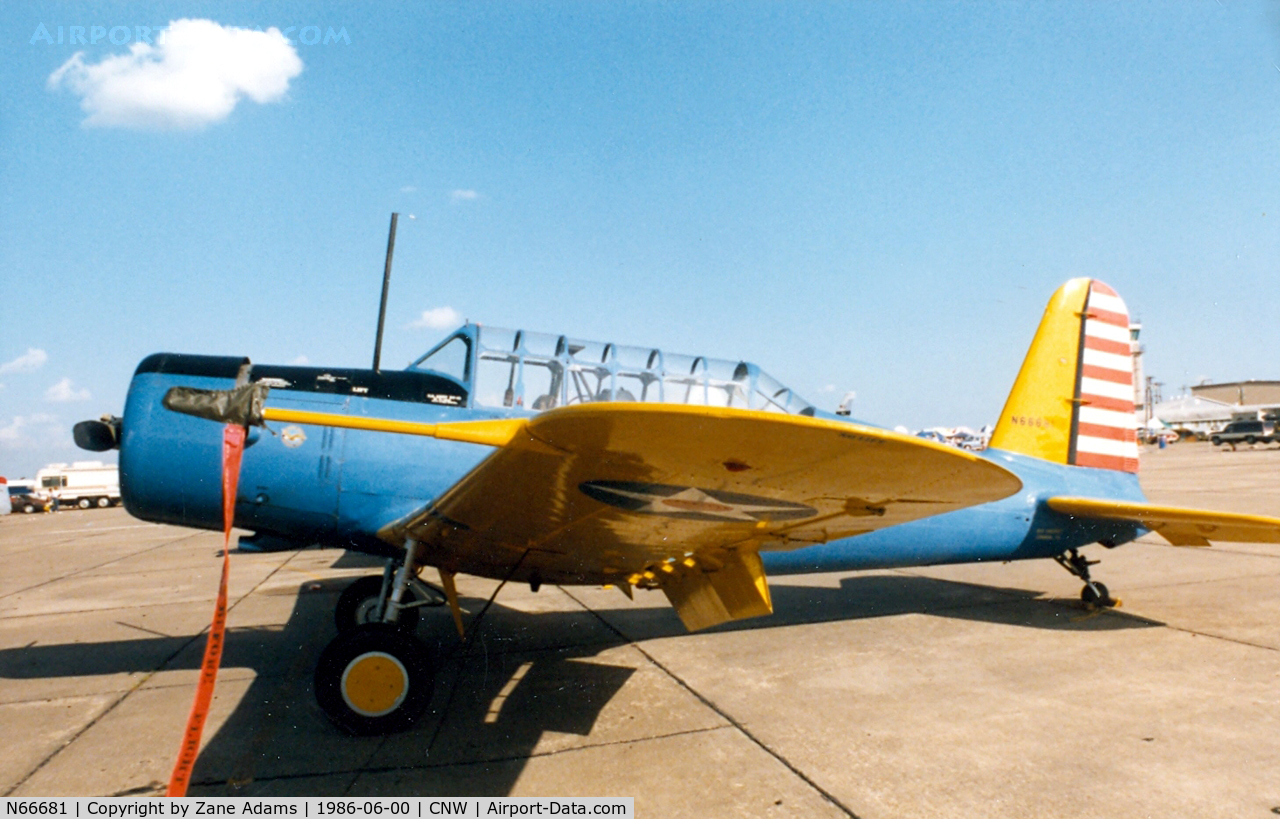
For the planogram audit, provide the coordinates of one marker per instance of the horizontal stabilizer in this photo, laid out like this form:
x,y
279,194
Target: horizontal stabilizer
x,y
1181,527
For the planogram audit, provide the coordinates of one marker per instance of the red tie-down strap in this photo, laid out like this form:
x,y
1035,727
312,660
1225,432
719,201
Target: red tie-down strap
x,y
232,448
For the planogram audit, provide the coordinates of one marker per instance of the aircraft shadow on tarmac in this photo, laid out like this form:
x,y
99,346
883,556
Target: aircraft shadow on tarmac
x,y
884,595
528,683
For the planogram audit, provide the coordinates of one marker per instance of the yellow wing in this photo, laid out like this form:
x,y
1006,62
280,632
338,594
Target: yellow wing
x,y
681,498
684,498
1181,527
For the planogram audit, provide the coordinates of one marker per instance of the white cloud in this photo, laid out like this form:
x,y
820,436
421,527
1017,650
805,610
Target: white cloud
x,y
438,318
40,431
32,359
195,75
300,361
64,391
463,195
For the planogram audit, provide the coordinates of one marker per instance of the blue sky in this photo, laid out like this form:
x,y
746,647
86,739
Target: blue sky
x,y
876,197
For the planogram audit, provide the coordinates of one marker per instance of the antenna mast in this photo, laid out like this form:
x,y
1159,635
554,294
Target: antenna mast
x,y
386,285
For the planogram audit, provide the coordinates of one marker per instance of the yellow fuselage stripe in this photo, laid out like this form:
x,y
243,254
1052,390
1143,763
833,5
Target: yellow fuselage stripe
x,y
489,433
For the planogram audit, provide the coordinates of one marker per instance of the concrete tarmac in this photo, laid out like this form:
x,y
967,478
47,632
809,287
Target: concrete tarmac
x,y
979,690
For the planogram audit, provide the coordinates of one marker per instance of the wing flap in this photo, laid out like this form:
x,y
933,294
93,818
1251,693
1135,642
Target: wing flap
x,y
1179,526
705,597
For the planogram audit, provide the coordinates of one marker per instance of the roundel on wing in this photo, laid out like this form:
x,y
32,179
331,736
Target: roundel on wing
x,y
692,503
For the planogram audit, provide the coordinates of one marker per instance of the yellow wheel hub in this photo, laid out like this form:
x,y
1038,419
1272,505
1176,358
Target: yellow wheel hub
x,y
374,684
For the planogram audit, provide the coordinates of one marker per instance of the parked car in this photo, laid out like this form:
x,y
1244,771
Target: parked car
x,y
1244,432
25,498
83,484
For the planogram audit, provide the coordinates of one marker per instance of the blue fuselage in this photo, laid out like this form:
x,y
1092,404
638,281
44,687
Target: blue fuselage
x,y
339,487
1015,528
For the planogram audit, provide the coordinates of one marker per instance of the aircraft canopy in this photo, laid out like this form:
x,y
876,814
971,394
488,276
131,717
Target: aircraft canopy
x,y
539,371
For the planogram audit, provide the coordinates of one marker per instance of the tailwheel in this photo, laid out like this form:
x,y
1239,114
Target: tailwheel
x,y
374,679
361,603
1096,594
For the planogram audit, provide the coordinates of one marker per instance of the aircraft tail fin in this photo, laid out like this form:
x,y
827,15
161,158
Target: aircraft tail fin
x,y
1073,401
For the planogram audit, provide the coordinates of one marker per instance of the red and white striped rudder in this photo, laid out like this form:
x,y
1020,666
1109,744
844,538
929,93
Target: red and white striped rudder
x,y
1105,433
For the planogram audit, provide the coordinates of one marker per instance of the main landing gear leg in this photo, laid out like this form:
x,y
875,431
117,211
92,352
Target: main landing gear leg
x,y
369,599
1094,594
376,677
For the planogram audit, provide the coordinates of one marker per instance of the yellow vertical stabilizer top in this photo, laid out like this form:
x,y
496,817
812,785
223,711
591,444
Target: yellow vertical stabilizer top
x,y
1073,401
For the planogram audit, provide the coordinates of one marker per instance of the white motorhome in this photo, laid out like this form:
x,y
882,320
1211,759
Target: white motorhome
x,y
82,483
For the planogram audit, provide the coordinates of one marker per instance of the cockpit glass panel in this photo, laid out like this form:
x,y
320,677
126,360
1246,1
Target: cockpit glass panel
x,y
496,375
636,387
632,358
771,396
540,385
540,371
496,338
449,358
727,383
589,352
761,396
542,344
682,379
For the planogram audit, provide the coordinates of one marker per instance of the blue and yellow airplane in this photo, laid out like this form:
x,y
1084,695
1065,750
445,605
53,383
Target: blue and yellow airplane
x,y
543,459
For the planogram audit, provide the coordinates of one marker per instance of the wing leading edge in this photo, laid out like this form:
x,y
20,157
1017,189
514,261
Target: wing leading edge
x,y
1181,527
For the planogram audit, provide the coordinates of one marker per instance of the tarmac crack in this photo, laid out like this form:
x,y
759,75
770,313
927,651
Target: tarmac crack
x,y
1203,581
1221,637
366,769
91,723
105,610
143,681
99,565
722,713
143,630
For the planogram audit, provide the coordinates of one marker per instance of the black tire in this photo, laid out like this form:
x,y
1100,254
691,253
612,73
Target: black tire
x,y
374,680
359,601
1216,440
103,503
1249,439
28,508
1096,595
84,503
